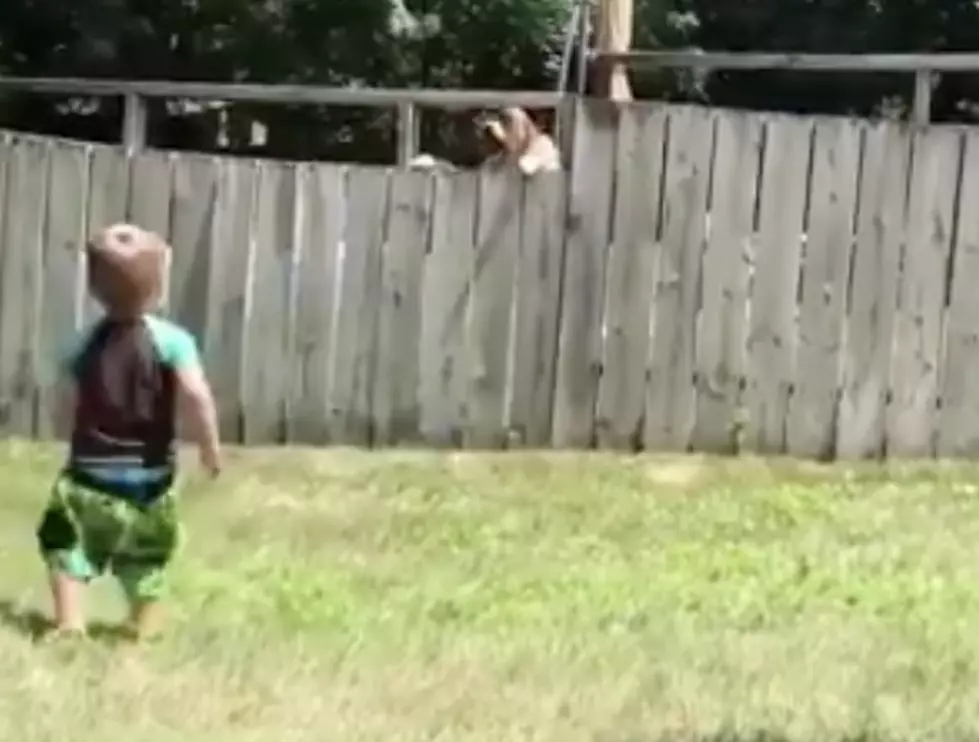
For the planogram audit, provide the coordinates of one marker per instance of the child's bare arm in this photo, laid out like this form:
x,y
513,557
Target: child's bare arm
x,y
197,403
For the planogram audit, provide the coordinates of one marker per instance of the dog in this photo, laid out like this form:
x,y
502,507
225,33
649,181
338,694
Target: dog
x,y
512,138
519,141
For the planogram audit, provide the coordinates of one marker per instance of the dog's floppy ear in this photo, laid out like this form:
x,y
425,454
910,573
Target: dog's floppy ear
x,y
494,126
498,131
519,127
512,128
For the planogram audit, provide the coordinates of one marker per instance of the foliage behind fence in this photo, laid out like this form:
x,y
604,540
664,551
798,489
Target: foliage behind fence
x,y
721,281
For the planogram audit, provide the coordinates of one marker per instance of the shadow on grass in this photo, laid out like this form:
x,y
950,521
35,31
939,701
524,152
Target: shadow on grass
x,y
33,624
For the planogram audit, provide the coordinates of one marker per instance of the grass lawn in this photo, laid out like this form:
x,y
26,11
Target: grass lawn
x,y
389,597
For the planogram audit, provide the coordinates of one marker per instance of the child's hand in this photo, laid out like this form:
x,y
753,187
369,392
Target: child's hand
x,y
199,402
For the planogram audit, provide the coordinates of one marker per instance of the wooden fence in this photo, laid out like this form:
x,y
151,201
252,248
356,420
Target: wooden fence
x,y
719,281
357,305
809,284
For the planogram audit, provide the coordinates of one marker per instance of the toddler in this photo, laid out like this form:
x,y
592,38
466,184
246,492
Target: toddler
x,y
113,506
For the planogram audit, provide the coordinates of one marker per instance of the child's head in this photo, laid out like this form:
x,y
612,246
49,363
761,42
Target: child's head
x,y
126,265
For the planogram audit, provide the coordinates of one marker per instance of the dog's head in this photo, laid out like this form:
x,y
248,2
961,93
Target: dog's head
x,y
511,130
515,136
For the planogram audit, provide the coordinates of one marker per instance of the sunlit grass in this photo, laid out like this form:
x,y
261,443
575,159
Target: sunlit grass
x,y
343,595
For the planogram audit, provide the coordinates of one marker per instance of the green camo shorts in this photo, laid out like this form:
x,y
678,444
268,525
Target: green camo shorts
x,y
84,533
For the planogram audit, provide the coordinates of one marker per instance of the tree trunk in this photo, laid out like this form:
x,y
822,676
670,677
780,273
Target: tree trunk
x,y
614,35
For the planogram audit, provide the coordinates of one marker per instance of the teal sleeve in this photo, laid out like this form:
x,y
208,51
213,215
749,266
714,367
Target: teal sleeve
x,y
181,350
177,347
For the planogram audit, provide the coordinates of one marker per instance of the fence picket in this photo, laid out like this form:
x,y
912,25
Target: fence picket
x,y
873,292
24,196
630,279
537,311
958,428
912,413
670,392
446,309
772,336
721,337
63,279
395,386
360,287
811,424
495,260
591,203
323,192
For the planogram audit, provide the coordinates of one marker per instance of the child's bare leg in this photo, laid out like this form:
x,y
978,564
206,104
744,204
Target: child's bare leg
x,y
66,593
145,618
143,585
69,565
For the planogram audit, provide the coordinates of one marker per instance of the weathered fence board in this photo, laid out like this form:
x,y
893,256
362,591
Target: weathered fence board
x,y
958,427
292,217
772,335
191,200
229,296
21,280
721,337
367,199
873,292
108,196
591,199
670,392
912,412
63,278
537,311
266,380
811,424
151,189
445,309
497,249
322,193
630,276
194,201
396,381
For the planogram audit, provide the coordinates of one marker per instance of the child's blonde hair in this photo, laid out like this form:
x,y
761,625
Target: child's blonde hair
x,y
126,266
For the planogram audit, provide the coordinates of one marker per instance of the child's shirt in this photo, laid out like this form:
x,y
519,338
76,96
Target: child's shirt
x,y
124,430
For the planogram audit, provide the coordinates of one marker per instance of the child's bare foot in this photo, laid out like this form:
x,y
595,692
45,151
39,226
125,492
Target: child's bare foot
x,y
145,620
